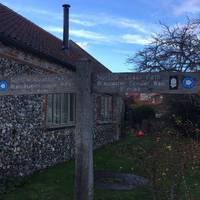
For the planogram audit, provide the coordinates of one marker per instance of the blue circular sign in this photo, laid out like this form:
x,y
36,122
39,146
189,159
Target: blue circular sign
x,y
188,82
3,85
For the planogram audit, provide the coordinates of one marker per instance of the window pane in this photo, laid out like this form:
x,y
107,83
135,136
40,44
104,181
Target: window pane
x,y
110,107
50,108
57,109
64,108
72,105
102,108
61,108
106,107
98,107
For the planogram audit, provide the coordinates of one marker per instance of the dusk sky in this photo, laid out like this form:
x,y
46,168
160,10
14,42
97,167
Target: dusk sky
x,y
110,30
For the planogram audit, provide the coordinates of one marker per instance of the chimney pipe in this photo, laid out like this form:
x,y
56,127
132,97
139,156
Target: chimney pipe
x,y
66,27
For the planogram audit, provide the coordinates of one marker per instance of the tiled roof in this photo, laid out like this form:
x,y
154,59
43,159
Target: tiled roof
x,y
24,34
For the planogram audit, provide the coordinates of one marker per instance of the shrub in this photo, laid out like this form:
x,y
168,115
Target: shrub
x,y
184,113
141,113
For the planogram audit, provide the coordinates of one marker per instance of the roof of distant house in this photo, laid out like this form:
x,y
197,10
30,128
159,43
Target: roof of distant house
x,y
24,34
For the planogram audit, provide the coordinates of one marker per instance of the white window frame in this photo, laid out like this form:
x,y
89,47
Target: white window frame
x,y
106,108
52,122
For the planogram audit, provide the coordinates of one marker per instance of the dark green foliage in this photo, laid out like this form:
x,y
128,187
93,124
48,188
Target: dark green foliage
x,y
184,114
141,113
185,106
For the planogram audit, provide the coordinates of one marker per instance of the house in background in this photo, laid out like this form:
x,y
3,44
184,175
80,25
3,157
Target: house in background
x,y
145,98
37,131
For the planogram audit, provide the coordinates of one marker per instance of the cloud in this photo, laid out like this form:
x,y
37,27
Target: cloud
x,y
96,37
88,35
88,20
136,39
81,33
126,23
188,6
123,52
37,11
77,19
54,29
141,30
82,22
83,45
113,21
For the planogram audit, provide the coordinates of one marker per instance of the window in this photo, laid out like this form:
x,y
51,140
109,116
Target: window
x,y
105,111
61,109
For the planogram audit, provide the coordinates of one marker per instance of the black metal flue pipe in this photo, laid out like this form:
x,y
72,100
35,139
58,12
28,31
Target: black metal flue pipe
x,y
66,27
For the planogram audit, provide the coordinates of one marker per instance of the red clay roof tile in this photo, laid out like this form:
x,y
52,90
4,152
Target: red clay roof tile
x,y
23,33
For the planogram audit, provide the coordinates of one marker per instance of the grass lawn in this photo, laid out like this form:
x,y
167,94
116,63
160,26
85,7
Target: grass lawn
x,y
56,183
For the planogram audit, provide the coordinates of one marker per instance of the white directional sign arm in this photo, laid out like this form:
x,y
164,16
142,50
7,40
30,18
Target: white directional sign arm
x,y
160,82
38,84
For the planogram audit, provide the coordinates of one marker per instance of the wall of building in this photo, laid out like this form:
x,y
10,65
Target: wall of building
x,y
107,132
25,144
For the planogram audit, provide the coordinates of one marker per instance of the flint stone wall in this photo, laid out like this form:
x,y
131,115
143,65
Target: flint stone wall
x,y
25,145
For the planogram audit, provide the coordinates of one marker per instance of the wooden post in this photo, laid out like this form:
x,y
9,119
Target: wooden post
x,y
83,135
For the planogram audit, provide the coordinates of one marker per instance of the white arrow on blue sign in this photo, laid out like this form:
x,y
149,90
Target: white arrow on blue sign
x,y
188,82
3,85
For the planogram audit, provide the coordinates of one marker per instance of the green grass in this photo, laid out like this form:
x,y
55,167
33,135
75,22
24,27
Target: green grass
x,y
57,183
116,157
53,183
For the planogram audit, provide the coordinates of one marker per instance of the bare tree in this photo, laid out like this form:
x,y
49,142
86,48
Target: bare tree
x,y
176,48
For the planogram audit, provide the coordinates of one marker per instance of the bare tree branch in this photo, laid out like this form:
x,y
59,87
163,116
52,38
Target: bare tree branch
x,y
176,48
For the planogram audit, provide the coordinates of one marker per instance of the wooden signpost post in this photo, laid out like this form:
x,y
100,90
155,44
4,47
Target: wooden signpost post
x,y
83,83
83,135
